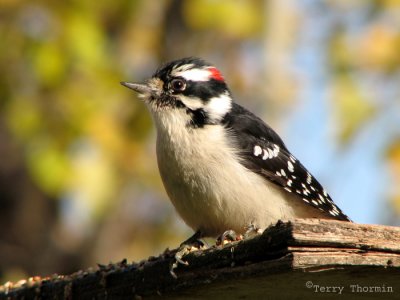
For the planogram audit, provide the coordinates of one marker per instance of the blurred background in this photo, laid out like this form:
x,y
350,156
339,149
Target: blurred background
x,y
79,183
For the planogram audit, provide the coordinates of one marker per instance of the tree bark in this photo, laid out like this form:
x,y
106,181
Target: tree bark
x,y
299,259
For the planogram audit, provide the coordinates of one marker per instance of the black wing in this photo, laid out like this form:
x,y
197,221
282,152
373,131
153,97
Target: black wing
x,y
264,152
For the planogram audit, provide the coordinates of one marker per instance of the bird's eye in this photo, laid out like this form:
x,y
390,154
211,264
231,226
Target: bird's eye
x,y
178,84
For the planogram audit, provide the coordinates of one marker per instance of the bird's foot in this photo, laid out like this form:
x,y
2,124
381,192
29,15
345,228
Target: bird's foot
x,y
228,237
191,244
231,236
252,231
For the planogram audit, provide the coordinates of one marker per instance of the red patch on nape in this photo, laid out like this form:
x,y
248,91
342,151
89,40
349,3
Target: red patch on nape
x,y
215,74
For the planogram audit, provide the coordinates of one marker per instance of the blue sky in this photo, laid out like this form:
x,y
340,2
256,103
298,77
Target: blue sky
x,y
355,174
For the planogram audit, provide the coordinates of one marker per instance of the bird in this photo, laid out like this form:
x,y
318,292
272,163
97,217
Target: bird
x,y
223,168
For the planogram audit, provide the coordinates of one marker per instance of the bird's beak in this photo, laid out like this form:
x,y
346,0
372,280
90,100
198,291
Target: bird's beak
x,y
141,88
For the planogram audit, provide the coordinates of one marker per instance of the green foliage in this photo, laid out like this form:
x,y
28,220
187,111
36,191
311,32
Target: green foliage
x,y
352,109
234,18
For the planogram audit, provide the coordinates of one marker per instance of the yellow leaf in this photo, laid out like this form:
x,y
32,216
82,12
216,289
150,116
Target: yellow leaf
x,y
236,18
48,166
379,48
49,63
85,39
352,108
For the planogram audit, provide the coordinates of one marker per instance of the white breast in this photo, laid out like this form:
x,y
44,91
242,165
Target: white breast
x,y
209,187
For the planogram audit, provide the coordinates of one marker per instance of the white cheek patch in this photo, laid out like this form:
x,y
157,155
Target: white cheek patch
x,y
218,107
191,102
194,74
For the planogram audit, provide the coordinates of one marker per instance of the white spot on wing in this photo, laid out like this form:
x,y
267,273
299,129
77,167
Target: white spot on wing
x,y
270,153
290,166
265,156
276,150
309,178
335,209
257,150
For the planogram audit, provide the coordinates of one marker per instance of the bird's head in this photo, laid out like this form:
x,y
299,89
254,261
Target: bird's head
x,y
190,87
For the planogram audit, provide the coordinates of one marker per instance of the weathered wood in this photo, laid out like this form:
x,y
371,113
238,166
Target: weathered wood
x,y
300,259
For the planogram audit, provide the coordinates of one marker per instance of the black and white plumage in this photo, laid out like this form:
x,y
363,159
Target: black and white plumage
x,y
266,154
223,167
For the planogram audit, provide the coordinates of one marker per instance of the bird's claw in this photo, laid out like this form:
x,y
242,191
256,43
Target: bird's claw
x,y
231,236
181,253
251,231
228,237
192,244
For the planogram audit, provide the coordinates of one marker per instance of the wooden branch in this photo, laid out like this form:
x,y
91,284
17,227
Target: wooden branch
x,y
304,258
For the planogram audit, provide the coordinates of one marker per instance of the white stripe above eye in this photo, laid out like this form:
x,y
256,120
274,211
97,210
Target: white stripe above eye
x,y
194,74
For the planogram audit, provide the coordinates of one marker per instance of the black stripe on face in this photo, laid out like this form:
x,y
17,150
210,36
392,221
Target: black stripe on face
x,y
198,118
205,90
